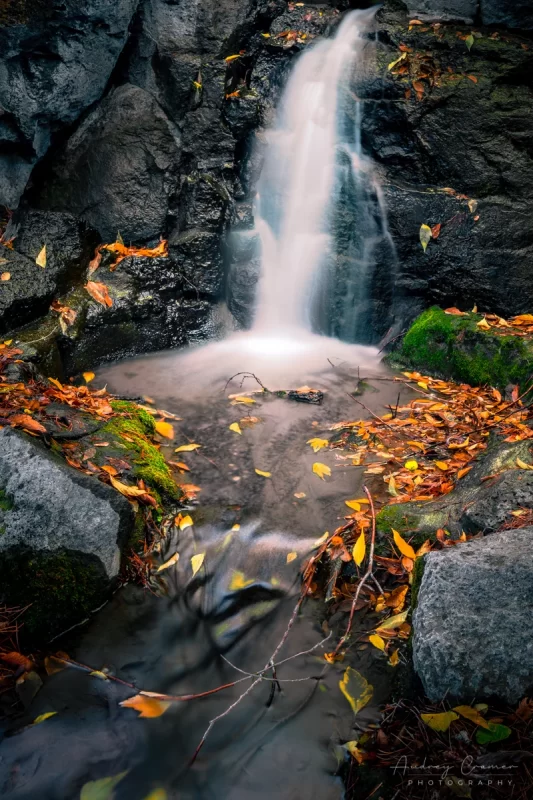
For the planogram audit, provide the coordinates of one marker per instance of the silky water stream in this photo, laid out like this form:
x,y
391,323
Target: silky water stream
x,y
202,632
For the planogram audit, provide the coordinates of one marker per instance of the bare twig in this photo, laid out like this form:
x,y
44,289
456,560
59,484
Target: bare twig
x,y
246,375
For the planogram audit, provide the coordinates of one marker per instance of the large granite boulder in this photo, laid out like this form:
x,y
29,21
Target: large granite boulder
x,y
61,536
470,625
56,61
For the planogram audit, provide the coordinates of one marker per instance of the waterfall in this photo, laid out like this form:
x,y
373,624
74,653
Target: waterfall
x,y
302,169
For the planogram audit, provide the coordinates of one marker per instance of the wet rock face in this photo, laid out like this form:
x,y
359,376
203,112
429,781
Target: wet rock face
x,y
473,603
57,58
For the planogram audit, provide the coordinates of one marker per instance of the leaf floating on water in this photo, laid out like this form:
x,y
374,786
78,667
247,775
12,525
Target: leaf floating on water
x,y
88,377
170,563
403,546
247,401
148,707
321,469
495,733
263,474
102,789
425,236
473,715
359,549
196,563
41,258
439,722
377,641
356,689
187,448
291,557
99,292
235,427
42,717
239,581
317,444
164,429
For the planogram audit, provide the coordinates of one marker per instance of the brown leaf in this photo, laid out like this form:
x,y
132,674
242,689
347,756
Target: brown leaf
x,y
435,230
99,292
18,660
26,422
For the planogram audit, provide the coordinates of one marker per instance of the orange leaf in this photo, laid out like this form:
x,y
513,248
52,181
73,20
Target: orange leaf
x,y
472,78
164,429
99,292
146,706
435,230
455,311
27,422
404,548
17,660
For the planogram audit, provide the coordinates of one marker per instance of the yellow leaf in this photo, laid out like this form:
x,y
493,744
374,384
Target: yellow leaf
x,y
147,707
422,384
196,563
419,445
247,401
187,448
291,557
356,689
164,429
42,717
403,546
169,563
483,324
239,581
398,60
439,722
441,465
235,427
377,641
41,258
88,376
232,58
5,276
318,444
300,495
236,528
184,522
157,794
321,540
263,474
425,236
522,464
355,505
321,469
393,622
394,658
355,751
127,491
96,673
101,789
473,715
412,465
359,549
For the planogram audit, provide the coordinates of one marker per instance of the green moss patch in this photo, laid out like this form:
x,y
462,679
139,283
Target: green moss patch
x,y
454,348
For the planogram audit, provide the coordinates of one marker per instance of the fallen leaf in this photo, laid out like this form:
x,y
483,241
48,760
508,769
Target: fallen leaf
x,y
411,465
472,78
26,422
377,641
239,581
5,276
483,324
147,707
442,465
522,464
321,540
355,505
300,495
472,714
53,665
101,789
317,444
425,236
469,41
232,58
187,448
157,794
455,311
359,549
440,721
97,673
184,521
243,400
403,546
393,622
99,292
263,474
164,429
196,562
394,658
495,733
41,258
356,689
235,427
435,230
88,376
291,557
321,469
170,563
42,717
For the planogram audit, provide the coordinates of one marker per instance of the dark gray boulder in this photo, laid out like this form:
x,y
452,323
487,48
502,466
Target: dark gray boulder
x,y
119,170
474,604
444,9
62,535
57,58
511,13
244,271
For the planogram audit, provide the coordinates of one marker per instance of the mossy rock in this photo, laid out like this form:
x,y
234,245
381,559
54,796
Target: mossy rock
x,y
455,348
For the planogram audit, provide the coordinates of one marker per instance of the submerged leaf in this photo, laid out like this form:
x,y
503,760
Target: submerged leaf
x,y
187,448
196,563
102,789
321,469
356,689
235,427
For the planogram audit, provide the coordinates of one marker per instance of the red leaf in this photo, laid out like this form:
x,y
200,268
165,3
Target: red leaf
x,y
435,230
99,292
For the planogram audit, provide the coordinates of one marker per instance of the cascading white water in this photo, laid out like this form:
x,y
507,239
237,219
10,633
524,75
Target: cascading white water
x,y
298,180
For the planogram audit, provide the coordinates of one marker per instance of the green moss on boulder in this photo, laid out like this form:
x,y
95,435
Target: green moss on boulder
x,y
455,348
